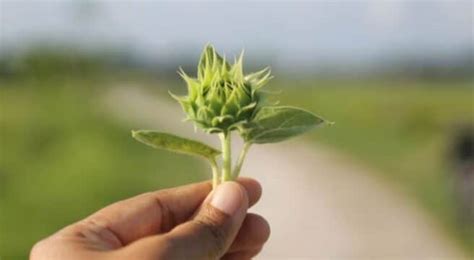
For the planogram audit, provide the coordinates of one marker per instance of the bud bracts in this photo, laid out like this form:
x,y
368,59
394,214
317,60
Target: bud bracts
x,y
222,98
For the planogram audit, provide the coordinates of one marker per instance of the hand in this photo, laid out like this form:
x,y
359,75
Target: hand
x,y
188,222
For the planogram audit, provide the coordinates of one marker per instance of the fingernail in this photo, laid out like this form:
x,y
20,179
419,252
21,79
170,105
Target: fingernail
x,y
227,197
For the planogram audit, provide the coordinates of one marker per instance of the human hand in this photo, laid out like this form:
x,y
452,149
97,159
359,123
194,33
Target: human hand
x,y
187,222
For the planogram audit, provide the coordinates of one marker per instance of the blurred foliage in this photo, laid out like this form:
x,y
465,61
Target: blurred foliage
x,y
403,128
454,67
46,62
62,158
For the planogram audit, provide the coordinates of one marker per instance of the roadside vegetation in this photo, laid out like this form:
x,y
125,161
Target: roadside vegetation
x,y
62,158
403,128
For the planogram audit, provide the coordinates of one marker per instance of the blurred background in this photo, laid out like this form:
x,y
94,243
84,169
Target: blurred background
x,y
395,76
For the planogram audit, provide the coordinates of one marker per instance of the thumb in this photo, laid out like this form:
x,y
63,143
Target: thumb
x,y
209,233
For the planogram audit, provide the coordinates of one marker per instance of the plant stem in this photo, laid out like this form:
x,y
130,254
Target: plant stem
x,y
241,159
226,157
215,173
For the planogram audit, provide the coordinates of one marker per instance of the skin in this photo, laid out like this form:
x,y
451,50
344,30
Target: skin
x,y
177,223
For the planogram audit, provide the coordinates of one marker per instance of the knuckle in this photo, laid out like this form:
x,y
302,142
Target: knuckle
x,y
168,218
213,231
98,229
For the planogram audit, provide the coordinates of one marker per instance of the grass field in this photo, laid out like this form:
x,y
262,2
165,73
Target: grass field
x,y
62,159
402,128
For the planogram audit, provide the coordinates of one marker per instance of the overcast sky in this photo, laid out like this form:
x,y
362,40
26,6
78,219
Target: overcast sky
x,y
290,32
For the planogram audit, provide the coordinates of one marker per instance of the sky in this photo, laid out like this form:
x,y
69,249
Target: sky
x,y
287,32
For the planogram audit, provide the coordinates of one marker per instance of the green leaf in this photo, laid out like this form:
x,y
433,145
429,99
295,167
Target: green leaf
x,y
277,123
174,143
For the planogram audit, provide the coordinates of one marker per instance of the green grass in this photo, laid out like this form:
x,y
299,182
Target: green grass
x,y
62,158
402,128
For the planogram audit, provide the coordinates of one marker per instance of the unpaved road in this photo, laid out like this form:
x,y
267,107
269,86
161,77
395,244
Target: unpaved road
x,y
320,205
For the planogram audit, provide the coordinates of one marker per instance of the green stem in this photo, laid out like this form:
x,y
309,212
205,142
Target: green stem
x,y
226,157
241,159
215,173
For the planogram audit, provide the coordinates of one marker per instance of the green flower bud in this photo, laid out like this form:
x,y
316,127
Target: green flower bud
x,y
222,98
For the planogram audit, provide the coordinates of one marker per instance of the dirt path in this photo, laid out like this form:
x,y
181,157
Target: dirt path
x,y
319,204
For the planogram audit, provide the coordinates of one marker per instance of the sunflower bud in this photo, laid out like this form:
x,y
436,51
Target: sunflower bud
x,y
222,98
